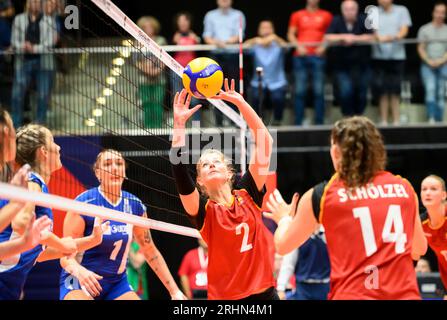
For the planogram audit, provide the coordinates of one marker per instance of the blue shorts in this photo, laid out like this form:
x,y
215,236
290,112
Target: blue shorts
x,y
111,289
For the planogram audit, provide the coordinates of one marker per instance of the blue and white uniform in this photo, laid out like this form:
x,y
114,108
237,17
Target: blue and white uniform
x,y
109,259
14,270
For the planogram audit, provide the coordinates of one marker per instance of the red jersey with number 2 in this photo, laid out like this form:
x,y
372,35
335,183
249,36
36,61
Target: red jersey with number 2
x,y
240,262
437,240
369,233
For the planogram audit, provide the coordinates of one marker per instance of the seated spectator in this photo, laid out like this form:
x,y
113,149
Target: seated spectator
x,y
32,32
309,25
433,67
422,266
268,53
152,88
193,272
351,60
221,28
390,56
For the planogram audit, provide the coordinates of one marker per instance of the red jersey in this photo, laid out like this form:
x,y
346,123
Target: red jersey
x,y
437,240
184,57
369,232
310,26
194,266
240,262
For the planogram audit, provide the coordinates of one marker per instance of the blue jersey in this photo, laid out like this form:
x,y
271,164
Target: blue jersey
x,y
313,260
109,259
14,270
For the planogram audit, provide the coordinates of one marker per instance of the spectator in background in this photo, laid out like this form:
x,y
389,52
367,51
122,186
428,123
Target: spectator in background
x,y
351,59
152,88
193,272
7,12
422,266
184,36
32,32
309,25
137,271
268,53
389,54
434,57
221,28
310,263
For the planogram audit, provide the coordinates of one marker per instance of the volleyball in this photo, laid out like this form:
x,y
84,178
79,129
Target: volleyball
x,y
203,78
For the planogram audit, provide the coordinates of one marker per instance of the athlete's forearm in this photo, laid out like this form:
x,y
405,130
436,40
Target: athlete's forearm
x,y
8,212
86,243
159,266
12,247
50,253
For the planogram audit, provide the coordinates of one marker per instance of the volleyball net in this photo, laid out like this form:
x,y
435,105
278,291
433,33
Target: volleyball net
x,y
114,89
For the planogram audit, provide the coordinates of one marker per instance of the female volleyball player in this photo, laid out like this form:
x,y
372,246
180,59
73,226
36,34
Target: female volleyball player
x,y
8,210
36,147
370,216
433,196
100,272
228,217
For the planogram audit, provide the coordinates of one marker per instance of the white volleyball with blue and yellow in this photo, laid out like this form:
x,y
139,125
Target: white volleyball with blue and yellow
x,y
203,78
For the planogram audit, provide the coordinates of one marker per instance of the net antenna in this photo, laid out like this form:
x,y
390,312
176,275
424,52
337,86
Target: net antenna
x,y
115,13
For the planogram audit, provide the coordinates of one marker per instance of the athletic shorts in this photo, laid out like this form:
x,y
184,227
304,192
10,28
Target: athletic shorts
x,y
111,289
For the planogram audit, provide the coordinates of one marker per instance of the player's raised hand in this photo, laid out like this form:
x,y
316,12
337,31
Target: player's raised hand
x,y
230,94
33,234
182,112
20,179
279,208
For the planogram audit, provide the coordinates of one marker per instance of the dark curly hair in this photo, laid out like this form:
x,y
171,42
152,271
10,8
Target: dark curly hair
x,y
362,148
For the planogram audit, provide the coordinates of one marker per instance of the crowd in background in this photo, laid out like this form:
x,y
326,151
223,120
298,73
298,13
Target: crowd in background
x,y
366,51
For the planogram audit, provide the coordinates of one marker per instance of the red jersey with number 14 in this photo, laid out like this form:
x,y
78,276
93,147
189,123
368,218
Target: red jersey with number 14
x,y
437,240
240,262
369,232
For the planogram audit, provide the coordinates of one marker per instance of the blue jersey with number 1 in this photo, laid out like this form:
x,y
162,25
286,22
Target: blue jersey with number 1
x,y
14,270
109,259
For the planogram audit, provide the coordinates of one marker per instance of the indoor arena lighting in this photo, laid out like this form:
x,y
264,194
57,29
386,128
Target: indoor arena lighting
x,y
127,43
107,92
111,80
125,52
101,100
116,72
118,61
90,122
97,112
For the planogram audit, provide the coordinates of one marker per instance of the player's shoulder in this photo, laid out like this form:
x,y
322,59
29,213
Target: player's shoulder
x,y
89,195
131,197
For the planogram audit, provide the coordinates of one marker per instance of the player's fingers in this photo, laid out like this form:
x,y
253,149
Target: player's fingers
x,y
197,107
182,97
278,196
232,85
90,288
97,276
176,98
105,226
272,200
227,88
188,100
96,284
270,206
268,215
93,285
